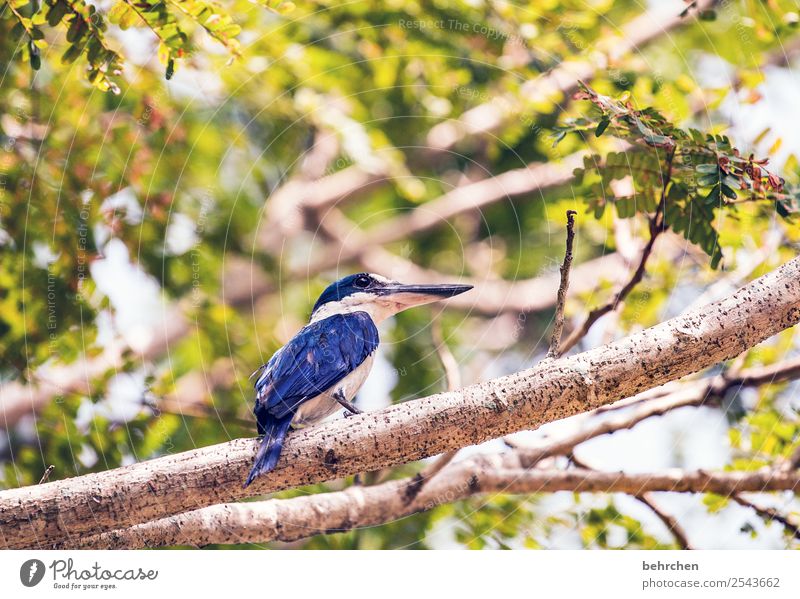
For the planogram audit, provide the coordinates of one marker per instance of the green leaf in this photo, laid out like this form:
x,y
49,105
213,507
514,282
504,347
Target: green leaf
x,y
56,13
708,180
716,257
36,59
76,29
71,55
707,168
728,192
122,15
713,196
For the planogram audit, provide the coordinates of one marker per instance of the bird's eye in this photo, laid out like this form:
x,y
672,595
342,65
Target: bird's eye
x,y
361,282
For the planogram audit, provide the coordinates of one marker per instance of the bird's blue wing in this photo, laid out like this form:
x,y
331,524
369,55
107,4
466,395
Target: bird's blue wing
x,y
318,357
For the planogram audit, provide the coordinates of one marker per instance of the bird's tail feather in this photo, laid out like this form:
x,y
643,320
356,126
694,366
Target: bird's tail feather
x,y
270,449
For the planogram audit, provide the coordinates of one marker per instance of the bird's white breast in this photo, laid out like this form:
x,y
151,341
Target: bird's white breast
x,y
323,405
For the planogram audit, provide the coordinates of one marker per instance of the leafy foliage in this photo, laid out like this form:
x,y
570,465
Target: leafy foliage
x,y
687,175
85,27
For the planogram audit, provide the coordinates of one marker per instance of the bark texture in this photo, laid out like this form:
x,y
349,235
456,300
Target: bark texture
x,y
358,507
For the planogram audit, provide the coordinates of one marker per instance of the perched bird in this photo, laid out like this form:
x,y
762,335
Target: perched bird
x,y
325,364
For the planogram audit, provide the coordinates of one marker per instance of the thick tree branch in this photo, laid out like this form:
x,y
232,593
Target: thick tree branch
x,y
688,394
453,376
358,507
45,514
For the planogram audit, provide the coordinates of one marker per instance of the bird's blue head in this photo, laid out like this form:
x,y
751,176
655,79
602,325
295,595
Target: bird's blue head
x,y
378,296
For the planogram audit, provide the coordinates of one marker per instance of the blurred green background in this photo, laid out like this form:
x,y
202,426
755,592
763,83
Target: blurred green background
x,y
180,180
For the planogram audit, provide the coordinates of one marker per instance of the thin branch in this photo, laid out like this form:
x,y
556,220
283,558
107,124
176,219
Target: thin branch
x,y
580,332
47,472
656,402
768,513
448,360
672,524
414,429
558,322
766,375
565,445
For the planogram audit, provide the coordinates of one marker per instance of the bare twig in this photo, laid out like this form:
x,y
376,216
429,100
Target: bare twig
x,y
565,445
657,403
579,333
48,471
446,357
774,373
673,526
768,513
558,321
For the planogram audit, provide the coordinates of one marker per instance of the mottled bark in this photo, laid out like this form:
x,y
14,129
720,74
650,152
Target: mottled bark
x,y
358,507
555,389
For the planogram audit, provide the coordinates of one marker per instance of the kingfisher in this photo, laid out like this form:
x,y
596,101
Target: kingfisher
x,y
324,365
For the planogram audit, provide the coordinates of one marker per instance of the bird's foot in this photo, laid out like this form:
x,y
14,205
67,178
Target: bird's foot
x,y
351,409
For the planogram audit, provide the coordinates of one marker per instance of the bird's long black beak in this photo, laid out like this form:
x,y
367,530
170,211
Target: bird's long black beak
x,y
416,295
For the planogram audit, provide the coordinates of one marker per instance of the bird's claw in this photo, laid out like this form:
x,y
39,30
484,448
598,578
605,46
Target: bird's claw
x,y
351,409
